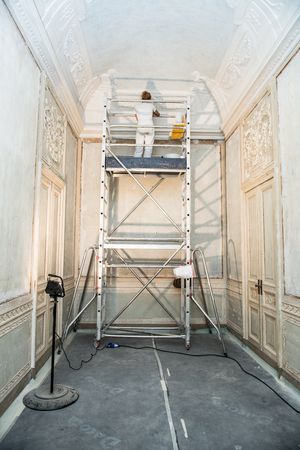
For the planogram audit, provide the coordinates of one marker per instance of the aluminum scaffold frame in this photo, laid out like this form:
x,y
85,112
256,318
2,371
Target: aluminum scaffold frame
x,y
119,245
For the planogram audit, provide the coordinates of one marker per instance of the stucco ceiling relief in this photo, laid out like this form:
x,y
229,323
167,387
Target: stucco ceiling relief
x,y
77,62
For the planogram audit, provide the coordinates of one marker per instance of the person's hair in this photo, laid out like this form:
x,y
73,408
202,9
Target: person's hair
x,y
146,95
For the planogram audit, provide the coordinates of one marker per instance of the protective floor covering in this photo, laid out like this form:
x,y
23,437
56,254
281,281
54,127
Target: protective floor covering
x,y
214,405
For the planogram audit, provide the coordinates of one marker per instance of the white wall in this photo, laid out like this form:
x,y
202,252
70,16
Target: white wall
x,y
233,188
19,102
288,87
289,120
70,216
206,204
19,90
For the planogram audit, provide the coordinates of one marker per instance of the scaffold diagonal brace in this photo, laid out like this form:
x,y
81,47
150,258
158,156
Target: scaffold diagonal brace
x,y
143,288
147,288
136,206
146,192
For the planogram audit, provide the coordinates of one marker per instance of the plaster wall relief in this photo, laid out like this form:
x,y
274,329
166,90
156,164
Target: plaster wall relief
x,y
257,146
54,135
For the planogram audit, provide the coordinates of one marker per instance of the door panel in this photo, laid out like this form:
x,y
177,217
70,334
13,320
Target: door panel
x,y
253,246
50,252
45,197
254,323
261,268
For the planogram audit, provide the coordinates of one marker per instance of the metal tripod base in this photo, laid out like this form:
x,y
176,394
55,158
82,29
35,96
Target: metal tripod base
x,y
42,400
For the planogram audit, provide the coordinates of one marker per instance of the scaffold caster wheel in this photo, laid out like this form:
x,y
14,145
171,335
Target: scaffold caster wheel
x,y
97,343
187,346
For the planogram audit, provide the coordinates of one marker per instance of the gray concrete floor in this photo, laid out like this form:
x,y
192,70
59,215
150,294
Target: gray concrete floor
x,y
121,404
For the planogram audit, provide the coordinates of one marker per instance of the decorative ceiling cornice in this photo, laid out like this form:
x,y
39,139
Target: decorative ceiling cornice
x,y
267,31
30,24
271,65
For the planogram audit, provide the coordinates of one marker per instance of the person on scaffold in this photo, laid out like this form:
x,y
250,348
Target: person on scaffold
x,y
144,113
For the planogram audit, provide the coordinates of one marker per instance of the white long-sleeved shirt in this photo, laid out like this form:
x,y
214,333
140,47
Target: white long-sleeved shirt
x,y
144,112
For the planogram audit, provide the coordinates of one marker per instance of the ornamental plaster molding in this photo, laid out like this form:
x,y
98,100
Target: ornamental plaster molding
x,y
78,66
291,309
15,313
21,316
257,139
8,387
62,23
54,136
261,25
240,58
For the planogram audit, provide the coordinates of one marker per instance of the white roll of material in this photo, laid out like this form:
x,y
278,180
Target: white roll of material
x,y
186,271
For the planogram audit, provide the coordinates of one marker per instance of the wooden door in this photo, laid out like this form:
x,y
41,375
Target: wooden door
x,y
261,285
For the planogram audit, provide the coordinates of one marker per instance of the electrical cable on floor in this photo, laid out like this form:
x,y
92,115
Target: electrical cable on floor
x,y
197,355
218,356
83,361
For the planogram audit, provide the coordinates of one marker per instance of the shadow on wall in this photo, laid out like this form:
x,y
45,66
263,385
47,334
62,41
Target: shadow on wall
x,y
206,205
204,108
232,263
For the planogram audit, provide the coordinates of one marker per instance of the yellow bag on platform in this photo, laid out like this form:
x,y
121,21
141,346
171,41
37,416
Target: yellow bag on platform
x,y
178,129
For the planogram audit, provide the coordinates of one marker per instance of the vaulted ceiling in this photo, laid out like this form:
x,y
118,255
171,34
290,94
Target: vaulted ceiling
x,y
217,47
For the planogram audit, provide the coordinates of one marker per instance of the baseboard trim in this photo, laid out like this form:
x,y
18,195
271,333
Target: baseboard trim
x,y
281,373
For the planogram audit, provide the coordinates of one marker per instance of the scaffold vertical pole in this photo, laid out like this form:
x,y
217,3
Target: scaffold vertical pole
x,y
101,255
188,222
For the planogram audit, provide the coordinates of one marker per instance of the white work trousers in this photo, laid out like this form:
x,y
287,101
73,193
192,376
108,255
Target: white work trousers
x,y
144,139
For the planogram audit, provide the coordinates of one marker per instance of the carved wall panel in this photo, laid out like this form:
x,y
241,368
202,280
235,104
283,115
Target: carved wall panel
x,y
54,135
257,150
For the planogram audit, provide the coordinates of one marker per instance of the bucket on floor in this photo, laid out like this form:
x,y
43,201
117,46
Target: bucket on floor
x,y
186,271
